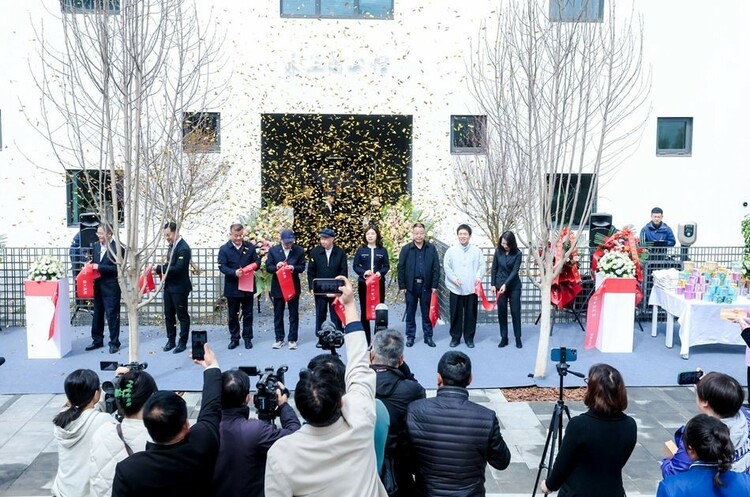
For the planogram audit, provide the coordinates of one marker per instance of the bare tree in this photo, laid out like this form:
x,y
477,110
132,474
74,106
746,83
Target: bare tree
x,y
568,105
115,92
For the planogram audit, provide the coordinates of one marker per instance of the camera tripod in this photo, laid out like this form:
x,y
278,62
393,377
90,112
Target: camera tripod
x,y
555,431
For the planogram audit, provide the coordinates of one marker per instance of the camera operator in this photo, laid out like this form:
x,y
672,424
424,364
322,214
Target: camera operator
x,y
113,443
240,467
333,454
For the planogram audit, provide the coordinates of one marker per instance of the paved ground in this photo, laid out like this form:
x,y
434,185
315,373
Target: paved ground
x,y
29,457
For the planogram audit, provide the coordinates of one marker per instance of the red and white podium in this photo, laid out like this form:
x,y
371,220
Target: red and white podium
x,y
610,315
48,331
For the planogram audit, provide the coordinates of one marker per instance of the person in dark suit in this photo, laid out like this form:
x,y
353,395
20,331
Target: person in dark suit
x,y
180,461
177,287
106,292
294,255
233,256
507,283
326,261
418,276
370,258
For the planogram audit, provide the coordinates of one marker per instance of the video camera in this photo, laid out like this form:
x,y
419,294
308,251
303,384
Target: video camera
x,y
329,338
109,386
264,400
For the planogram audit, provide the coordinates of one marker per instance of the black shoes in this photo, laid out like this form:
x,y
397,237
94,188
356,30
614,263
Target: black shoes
x,y
233,344
114,349
409,341
519,345
169,346
470,345
503,342
249,344
454,343
429,342
95,345
180,348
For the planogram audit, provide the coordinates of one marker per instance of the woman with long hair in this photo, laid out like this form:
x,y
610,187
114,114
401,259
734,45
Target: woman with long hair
x,y
505,266
709,446
370,258
597,443
74,430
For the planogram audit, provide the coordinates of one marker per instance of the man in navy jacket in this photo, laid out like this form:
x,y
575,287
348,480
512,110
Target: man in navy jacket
x,y
177,287
287,252
326,261
233,256
106,292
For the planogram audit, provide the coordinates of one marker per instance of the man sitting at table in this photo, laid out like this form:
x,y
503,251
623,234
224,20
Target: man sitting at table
x,y
657,232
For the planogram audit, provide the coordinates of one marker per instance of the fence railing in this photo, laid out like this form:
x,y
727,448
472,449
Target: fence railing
x,y
207,305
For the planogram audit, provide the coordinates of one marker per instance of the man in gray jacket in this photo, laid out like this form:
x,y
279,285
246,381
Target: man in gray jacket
x,y
464,268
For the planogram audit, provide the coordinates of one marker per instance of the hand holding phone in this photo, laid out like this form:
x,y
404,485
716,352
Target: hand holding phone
x,y
199,339
327,286
689,377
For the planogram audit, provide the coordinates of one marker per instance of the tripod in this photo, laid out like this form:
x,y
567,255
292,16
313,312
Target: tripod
x,y
555,431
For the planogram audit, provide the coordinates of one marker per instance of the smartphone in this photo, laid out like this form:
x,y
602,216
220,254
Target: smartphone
x,y
326,286
689,377
199,337
564,354
108,365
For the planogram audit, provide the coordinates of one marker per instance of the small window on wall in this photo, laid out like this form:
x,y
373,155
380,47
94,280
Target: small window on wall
x,y
468,134
338,9
576,10
674,136
570,189
201,132
90,6
86,191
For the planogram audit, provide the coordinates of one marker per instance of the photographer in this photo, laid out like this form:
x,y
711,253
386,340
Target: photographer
x,y
333,454
113,443
240,467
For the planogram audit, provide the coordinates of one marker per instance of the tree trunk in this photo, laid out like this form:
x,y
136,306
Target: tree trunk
x,y
545,328
133,334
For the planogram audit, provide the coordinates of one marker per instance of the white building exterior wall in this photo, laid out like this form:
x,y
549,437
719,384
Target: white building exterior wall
x,y
414,64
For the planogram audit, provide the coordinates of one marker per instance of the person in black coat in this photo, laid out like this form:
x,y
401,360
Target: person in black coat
x,y
293,255
180,461
177,287
505,266
454,439
326,261
419,277
370,258
233,256
106,292
598,443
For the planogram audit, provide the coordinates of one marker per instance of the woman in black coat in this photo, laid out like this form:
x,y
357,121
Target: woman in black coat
x,y
597,443
370,258
507,283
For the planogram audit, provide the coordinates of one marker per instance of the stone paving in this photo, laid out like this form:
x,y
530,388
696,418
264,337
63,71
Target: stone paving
x,y
29,454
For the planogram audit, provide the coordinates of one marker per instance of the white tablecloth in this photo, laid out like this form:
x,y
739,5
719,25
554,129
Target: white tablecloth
x,y
700,323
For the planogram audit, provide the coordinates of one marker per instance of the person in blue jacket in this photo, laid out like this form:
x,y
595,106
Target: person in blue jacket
x,y
657,232
711,452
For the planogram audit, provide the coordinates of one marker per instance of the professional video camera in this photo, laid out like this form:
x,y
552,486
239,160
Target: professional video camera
x,y
329,338
265,398
109,386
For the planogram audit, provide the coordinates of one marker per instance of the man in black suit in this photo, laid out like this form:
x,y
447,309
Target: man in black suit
x,y
326,261
177,287
233,256
180,461
293,255
106,292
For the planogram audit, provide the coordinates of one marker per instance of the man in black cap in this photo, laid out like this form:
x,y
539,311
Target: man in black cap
x,y
326,261
287,252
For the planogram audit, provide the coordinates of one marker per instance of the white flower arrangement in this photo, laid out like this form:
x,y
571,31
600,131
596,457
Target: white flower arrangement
x,y
616,264
46,268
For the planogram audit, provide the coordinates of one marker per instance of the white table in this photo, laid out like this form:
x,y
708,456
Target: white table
x,y
700,323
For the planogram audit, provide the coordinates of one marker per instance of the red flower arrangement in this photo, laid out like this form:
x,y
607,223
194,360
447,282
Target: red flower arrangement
x,y
627,242
567,284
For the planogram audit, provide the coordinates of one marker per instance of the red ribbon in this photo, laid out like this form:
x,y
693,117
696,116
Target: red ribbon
x,y
594,310
434,309
85,281
479,290
286,283
247,280
338,307
146,281
372,294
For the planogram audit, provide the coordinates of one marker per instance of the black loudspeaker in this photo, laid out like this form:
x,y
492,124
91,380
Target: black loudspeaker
x,y
600,223
87,224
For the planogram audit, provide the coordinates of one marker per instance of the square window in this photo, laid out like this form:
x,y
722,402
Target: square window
x,y
338,9
468,134
90,6
674,136
87,191
576,10
298,8
201,132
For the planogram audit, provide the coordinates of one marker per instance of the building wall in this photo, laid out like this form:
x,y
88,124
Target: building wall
x,y
412,65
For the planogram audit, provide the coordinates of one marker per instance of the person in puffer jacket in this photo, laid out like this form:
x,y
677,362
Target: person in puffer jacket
x,y
108,446
74,430
453,439
719,395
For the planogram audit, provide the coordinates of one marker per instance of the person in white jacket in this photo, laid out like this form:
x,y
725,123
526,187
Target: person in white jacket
x,y
464,268
113,443
74,430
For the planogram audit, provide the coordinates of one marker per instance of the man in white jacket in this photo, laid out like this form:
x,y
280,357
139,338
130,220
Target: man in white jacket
x,y
464,268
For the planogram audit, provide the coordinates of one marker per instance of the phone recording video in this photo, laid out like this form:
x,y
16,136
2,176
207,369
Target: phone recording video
x,y
199,339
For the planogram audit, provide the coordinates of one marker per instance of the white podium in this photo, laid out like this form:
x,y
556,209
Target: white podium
x,y
48,331
616,319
